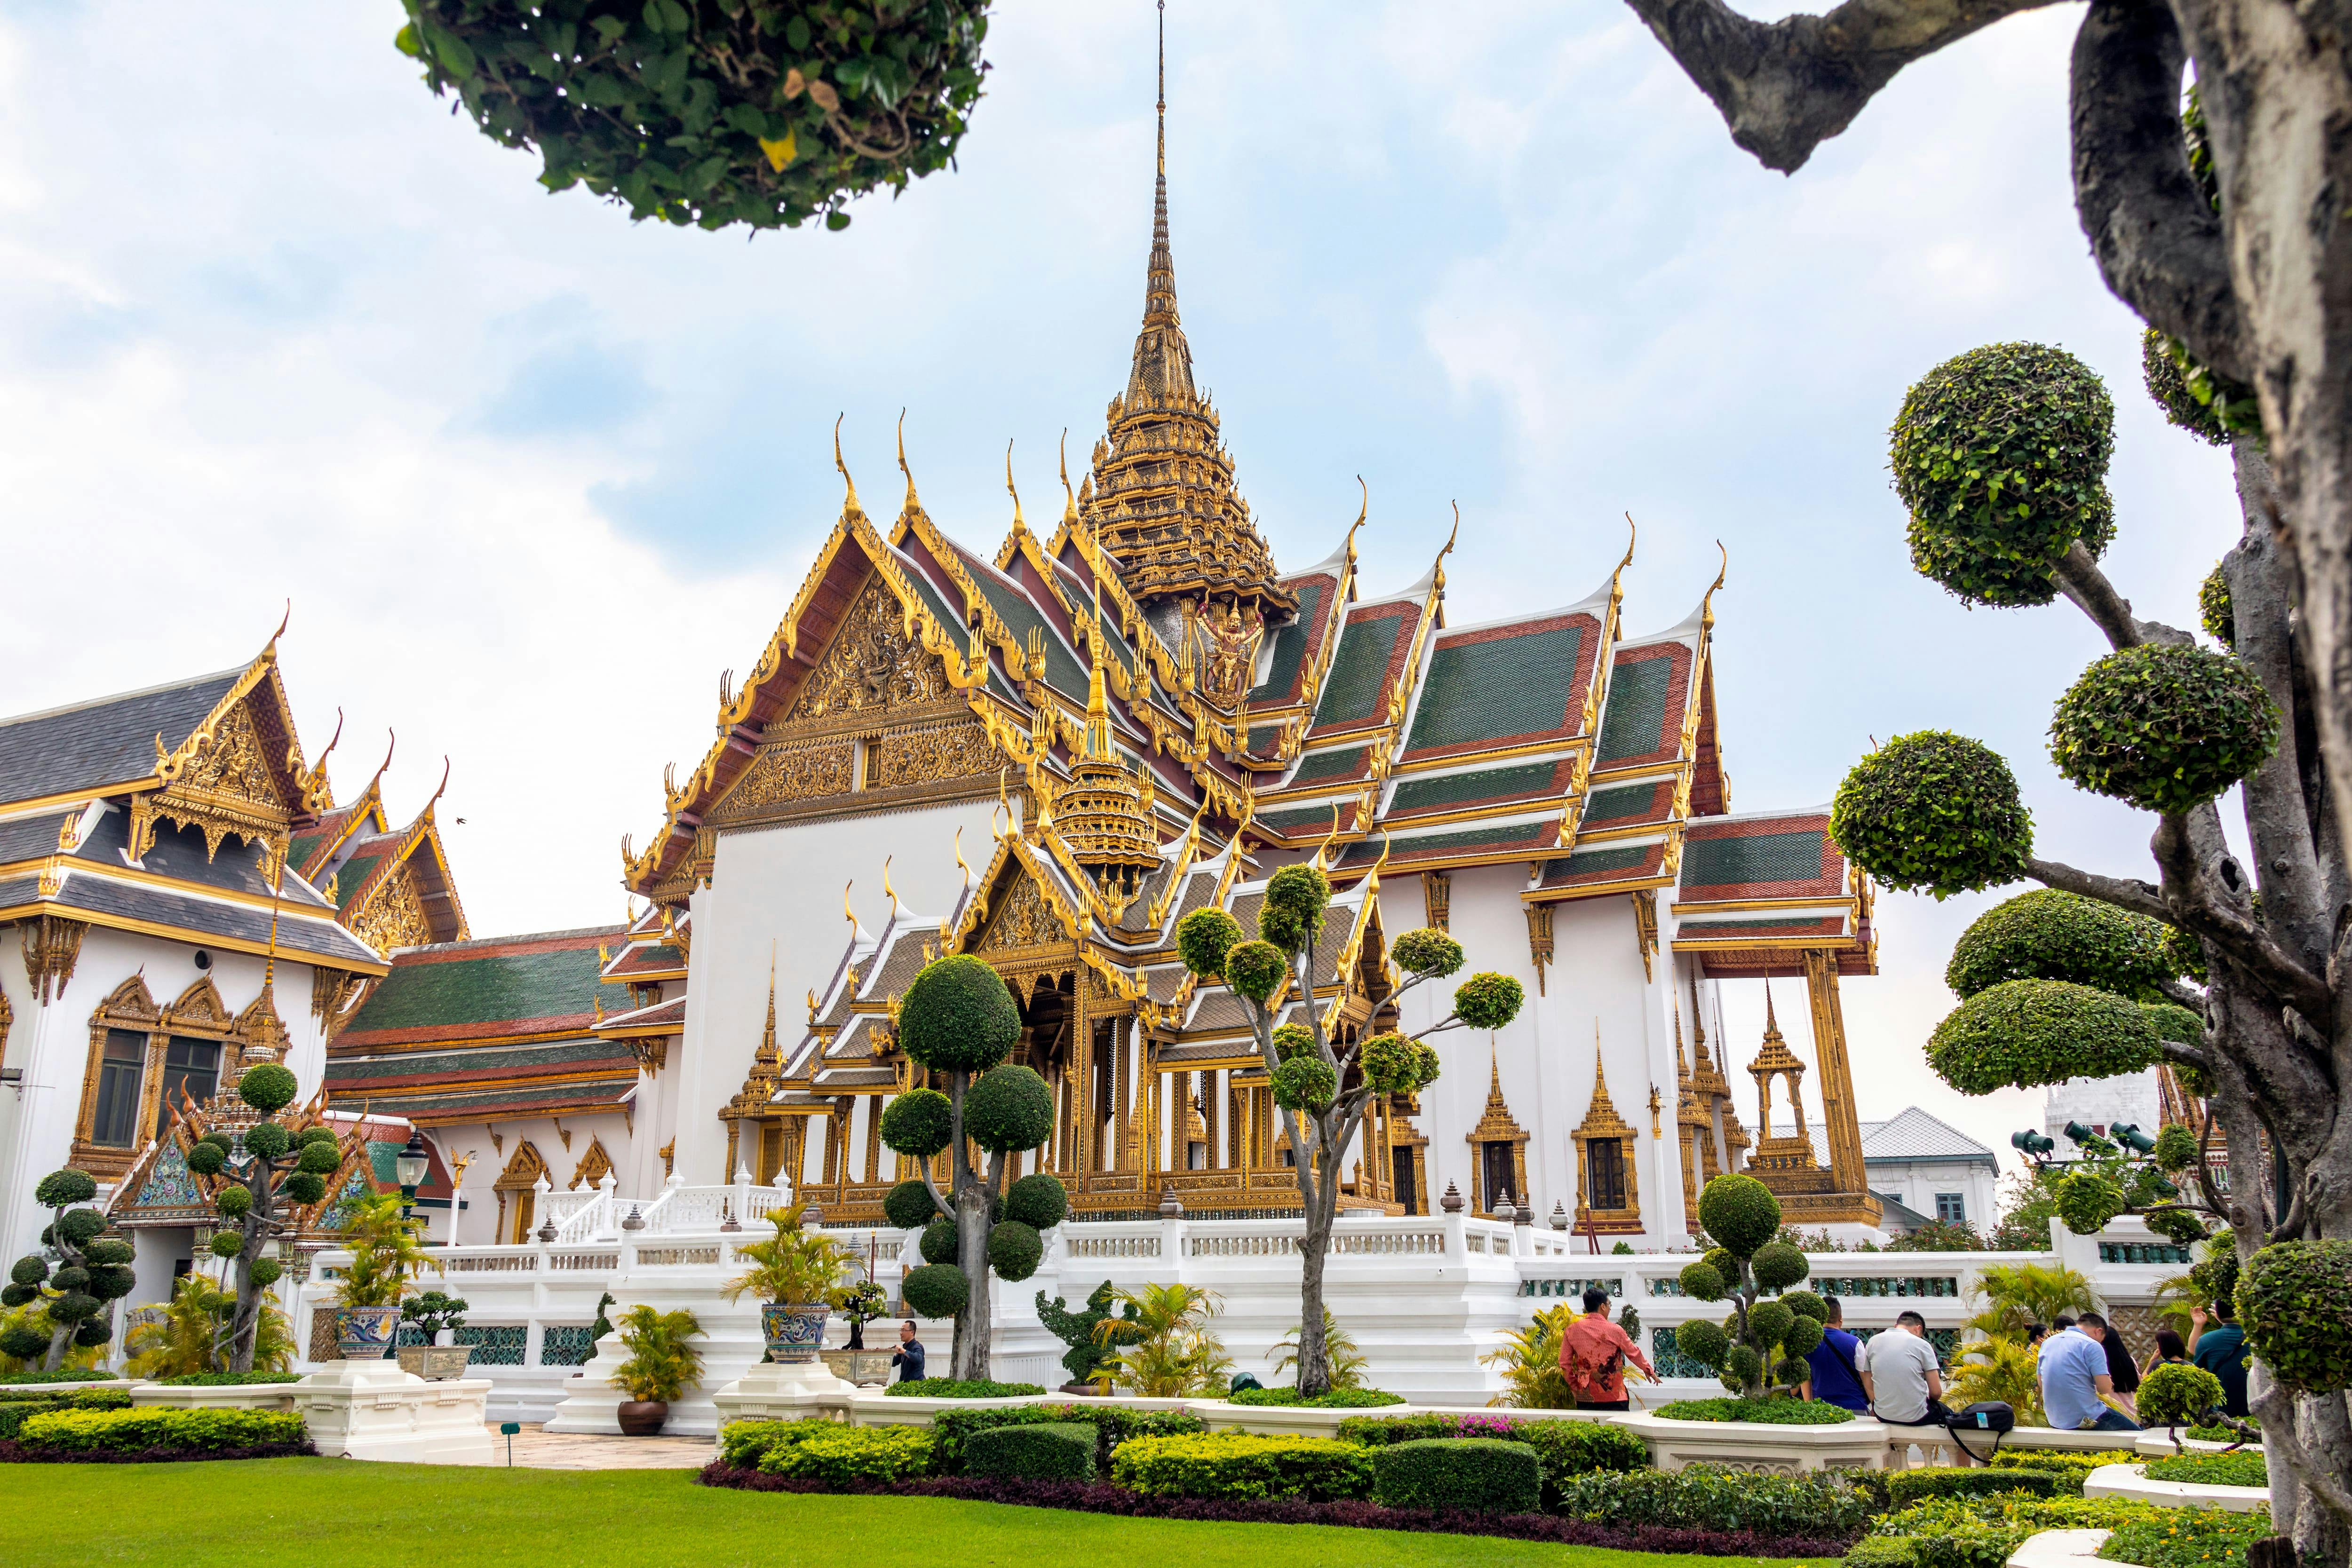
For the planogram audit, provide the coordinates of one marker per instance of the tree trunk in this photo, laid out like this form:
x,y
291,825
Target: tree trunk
x,y
972,1203
61,1338
1314,1247
245,1327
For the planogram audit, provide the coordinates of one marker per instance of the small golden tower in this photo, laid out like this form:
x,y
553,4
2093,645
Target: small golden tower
x,y
1104,813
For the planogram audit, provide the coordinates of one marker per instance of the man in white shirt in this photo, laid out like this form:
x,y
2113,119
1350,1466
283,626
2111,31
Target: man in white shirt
x,y
1901,1376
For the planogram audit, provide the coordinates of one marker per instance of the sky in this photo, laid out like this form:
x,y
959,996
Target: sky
x,y
276,326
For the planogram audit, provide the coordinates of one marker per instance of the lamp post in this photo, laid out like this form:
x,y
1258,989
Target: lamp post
x,y
408,1167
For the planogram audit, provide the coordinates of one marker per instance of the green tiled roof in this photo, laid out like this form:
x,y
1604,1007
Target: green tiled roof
x,y
1063,671
1626,801
499,988
1721,928
1637,708
1454,789
1360,669
300,851
356,872
1585,863
1306,817
1754,857
1329,765
1464,842
496,1062
1290,641
1500,687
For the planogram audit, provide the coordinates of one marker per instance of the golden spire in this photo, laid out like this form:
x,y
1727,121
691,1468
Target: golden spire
x,y
889,892
850,503
913,504
1098,747
768,1055
1069,496
1160,284
1706,605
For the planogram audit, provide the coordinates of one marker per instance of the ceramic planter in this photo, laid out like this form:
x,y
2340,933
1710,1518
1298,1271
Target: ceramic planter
x,y
793,1331
365,1333
643,1417
436,1362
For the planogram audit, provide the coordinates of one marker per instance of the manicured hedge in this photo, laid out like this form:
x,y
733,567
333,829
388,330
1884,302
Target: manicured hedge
x,y
1460,1475
1983,1531
2071,1468
1709,1496
1772,1412
227,1379
131,1431
1233,1465
843,1454
2214,1469
15,1412
1563,1449
1336,1399
1904,1488
1046,1451
2188,1537
745,1442
965,1388
1113,1425
62,1375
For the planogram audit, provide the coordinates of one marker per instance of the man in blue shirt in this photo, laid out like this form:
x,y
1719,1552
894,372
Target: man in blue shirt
x,y
909,1357
2219,1347
1835,1380
2074,1373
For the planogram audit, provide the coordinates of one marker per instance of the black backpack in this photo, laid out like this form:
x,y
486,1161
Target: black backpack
x,y
1986,1415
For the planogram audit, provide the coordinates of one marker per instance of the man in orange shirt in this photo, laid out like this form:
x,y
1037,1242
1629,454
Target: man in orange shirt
x,y
1592,1356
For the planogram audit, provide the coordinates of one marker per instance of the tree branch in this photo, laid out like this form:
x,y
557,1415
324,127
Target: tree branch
x,y
1786,86
2183,995
2081,581
2124,892
2276,1407
2196,905
2157,240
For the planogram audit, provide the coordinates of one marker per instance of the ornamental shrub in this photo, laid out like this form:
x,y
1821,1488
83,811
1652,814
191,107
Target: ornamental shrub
x,y
1702,1281
1014,1250
269,1089
1426,951
1292,915
2213,612
961,1388
2238,1469
939,1241
1488,1000
2295,1303
1563,1448
1046,1451
1255,970
2176,1394
2087,1200
760,112
1778,1265
1740,1213
2053,935
1203,939
1932,812
1806,1304
1293,1039
2188,1537
1038,1200
908,1204
2167,385
1458,1475
934,1291
1396,1065
1009,1108
1771,1412
1705,1344
1304,1084
957,1015
137,1430
1236,1465
1769,1320
65,1187
1904,1488
1331,1399
2024,1033
741,1443
2071,1468
845,1454
1815,1503
2001,455
2163,726
920,1121
1111,1423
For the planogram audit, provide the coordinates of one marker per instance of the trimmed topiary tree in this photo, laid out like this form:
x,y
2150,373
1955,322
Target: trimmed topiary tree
x,y
959,1023
2295,1303
2047,934
1091,1343
2178,1396
1322,1087
1934,814
2165,726
2022,1034
759,112
92,1271
1761,1347
259,1182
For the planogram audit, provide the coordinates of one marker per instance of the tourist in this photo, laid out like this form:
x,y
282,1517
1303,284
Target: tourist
x,y
1592,1355
2072,1368
2219,1347
1901,1375
909,1357
2170,1351
2033,1335
1836,1378
2121,1368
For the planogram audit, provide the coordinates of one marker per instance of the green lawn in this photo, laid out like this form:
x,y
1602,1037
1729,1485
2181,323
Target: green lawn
x,y
423,1516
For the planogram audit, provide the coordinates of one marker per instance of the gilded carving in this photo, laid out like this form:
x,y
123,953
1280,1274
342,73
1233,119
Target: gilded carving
x,y
222,784
1023,920
394,916
52,945
873,665
788,772
929,756
234,765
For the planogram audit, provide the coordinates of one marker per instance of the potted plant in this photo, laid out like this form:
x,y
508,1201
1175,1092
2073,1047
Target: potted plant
x,y
663,1364
858,1305
794,1275
431,1313
385,1251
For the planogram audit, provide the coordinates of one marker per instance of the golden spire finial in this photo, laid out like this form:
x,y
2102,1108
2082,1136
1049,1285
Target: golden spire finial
x,y
1373,882
1631,534
913,505
850,504
1004,804
889,892
960,863
1362,513
285,621
1706,605
1069,496
1318,860
1772,1024
846,913
1017,524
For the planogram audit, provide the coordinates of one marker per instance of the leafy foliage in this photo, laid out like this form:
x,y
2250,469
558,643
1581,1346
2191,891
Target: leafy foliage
x,y
957,1017
1348,1364
1046,1451
2022,1034
799,1264
2295,1303
664,1362
2003,1369
2163,726
1740,1213
1255,970
1113,1424
1814,1503
1164,1349
961,1388
934,1291
1771,1412
1304,1084
192,1337
1292,915
1203,939
760,112
1426,951
386,1250
1458,1475
2186,1537
1083,1331
2238,1469
1906,1486
843,1454
909,1205
1932,812
1038,1200
1008,1109
2000,455
269,1089
152,1427
2047,934
65,1308
1233,1465
2168,384
2175,1394
1528,1359
920,1121
1014,1250
1488,1000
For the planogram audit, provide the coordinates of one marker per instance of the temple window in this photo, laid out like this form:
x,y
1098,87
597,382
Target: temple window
x,y
1604,1161
118,1074
1407,1190
190,1067
1494,1173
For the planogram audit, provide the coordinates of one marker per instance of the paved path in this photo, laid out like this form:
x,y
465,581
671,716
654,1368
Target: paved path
x,y
537,1448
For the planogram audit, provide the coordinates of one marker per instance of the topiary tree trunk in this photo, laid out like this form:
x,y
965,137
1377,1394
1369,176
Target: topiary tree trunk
x,y
258,1179
92,1271
1323,1089
959,1023
2234,973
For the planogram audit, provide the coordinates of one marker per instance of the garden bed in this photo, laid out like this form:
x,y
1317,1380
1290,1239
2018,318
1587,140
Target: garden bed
x,y
1764,1412
1102,1497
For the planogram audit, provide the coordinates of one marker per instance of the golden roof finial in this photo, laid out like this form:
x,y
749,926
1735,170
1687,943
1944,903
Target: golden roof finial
x,y
1069,496
1373,882
850,504
960,863
1017,524
1362,513
1318,861
285,621
846,913
889,892
913,504
1706,605
1439,568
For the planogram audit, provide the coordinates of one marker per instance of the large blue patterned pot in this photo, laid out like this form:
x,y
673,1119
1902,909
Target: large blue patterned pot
x,y
365,1333
793,1331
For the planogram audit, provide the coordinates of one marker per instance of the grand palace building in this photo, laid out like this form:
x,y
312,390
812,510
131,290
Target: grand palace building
x,y
1042,743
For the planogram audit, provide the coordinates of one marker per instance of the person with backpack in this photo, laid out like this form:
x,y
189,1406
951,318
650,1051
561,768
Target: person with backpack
x,y
1592,1356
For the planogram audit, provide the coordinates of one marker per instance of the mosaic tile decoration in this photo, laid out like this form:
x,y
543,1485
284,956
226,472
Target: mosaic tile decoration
x,y
498,1344
567,1345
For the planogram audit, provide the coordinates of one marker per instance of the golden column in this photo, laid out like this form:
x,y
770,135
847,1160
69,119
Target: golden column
x,y
1845,1129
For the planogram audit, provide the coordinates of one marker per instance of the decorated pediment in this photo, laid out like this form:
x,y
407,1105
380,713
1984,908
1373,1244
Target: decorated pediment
x,y
873,665
200,1006
390,914
238,774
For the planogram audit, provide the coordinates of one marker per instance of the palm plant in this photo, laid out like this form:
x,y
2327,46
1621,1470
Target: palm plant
x,y
2176,1297
31,1319
663,1360
2000,1368
386,1248
1532,1379
1348,1364
2018,1294
194,1331
798,1265
1165,1349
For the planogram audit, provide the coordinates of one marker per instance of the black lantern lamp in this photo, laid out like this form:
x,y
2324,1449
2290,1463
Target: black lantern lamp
x,y
408,1167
